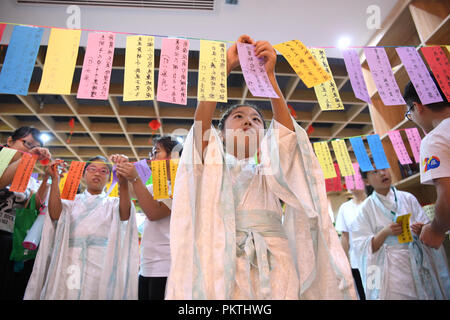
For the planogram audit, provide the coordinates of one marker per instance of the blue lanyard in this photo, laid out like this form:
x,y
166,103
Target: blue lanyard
x,y
389,213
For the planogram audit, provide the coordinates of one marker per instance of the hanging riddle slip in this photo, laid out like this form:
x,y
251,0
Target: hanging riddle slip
x,y
406,235
419,75
19,61
303,63
143,170
97,67
354,71
349,182
399,147
378,154
327,93
324,157
439,65
361,154
254,71
60,61
334,184
160,185
212,72
384,78
73,180
139,68
2,29
173,71
414,141
23,173
173,172
6,154
342,157
359,182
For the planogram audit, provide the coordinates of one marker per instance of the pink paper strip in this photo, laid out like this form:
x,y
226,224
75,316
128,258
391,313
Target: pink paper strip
x,y
399,147
359,183
2,29
97,67
384,78
349,183
354,71
414,141
255,74
419,75
173,69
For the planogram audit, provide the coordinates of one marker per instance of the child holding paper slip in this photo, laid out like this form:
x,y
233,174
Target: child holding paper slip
x,y
89,246
229,237
393,263
155,244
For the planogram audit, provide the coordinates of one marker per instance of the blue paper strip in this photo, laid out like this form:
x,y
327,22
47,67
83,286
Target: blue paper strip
x,y
378,154
20,59
361,154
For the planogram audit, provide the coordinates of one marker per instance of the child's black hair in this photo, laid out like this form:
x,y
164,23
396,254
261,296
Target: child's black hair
x,y
169,144
410,95
22,132
227,113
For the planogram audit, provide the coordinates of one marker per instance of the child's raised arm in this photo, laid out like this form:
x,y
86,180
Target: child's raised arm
x,y
264,49
205,109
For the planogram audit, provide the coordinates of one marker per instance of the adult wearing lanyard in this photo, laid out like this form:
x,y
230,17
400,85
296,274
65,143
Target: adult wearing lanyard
x,y
434,119
14,276
391,269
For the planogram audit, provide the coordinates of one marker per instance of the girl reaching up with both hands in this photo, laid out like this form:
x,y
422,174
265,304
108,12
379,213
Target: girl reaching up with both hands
x,y
229,236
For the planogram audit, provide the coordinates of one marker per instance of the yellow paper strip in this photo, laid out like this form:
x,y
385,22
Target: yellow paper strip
x,y
5,158
324,156
139,68
173,172
343,158
406,235
327,93
304,64
159,173
212,72
60,61
62,182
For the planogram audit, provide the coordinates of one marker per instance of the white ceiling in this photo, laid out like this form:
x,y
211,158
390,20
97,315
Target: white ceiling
x,y
316,23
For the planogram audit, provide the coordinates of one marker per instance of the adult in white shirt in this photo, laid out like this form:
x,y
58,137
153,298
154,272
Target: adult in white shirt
x,y
434,119
347,213
155,244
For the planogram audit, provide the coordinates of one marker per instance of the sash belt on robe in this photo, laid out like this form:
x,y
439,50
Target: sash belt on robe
x,y
251,228
84,243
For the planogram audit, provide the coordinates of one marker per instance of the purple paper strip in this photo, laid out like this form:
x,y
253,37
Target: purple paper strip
x,y
354,71
384,78
414,141
143,170
255,74
114,181
399,147
419,75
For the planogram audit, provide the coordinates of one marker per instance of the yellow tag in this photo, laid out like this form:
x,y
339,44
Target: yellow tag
x,y
406,235
160,185
62,182
139,68
173,172
60,61
343,158
212,71
304,64
324,156
327,93
5,158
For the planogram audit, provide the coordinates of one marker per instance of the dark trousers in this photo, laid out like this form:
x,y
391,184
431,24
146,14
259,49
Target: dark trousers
x,y
12,284
152,288
359,284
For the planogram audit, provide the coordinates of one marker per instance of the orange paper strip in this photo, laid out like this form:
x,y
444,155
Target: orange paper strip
x,y
23,173
73,180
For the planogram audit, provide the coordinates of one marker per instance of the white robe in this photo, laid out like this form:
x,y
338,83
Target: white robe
x,y
229,238
397,271
89,253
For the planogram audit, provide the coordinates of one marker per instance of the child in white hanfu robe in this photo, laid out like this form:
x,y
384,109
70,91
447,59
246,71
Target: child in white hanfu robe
x,y
229,237
391,270
89,246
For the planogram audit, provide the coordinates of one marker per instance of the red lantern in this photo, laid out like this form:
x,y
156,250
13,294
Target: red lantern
x,y
71,125
154,125
293,113
310,130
